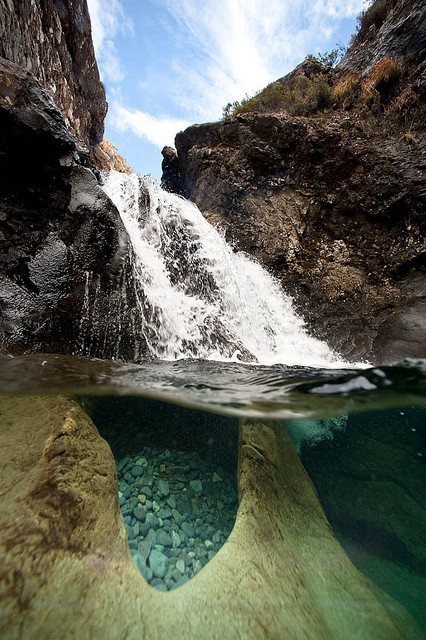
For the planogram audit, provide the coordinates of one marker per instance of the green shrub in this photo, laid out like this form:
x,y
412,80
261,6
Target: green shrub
x,y
297,96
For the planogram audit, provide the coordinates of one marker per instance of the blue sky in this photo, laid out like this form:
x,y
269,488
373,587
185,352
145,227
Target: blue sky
x,y
167,64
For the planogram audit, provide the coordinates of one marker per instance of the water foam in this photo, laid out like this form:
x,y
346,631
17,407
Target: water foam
x,y
198,298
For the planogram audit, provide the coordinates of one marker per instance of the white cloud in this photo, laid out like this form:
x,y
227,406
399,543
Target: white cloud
x,y
108,19
242,45
216,51
339,8
160,131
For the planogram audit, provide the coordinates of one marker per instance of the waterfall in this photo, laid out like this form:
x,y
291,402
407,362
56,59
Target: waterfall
x,y
198,298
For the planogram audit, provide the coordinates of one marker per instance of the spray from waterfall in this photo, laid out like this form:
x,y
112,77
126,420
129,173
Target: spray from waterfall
x,y
196,297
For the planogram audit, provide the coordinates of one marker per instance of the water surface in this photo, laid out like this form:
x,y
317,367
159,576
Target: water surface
x,y
228,388
360,435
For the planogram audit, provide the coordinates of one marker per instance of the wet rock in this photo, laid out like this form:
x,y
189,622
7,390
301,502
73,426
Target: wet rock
x,y
136,471
180,566
152,520
176,541
63,245
196,486
177,516
123,463
139,513
164,538
171,501
147,543
188,529
163,488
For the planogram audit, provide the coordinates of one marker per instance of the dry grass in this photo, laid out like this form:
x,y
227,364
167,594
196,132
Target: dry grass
x,y
409,138
346,89
298,96
377,86
407,99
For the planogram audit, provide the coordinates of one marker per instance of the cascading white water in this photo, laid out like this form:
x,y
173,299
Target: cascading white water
x,y
197,297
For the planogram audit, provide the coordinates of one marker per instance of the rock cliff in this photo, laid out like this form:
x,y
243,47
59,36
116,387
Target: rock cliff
x,y
53,40
64,270
64,263
321,177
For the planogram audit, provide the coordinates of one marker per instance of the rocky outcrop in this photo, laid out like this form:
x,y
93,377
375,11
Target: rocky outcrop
x,y
321,178
107,157
52,39
62,543
63,257
390,28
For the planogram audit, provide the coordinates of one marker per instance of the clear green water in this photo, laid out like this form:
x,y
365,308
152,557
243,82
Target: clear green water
x,y
360,434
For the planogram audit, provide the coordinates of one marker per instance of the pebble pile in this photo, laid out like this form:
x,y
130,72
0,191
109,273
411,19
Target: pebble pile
x,y
178,511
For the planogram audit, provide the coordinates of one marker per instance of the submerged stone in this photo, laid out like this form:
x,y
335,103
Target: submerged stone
x,y
158,563
180,565
164,538
147,543
137,471
163,488
188,529
196,486
152,520
139,513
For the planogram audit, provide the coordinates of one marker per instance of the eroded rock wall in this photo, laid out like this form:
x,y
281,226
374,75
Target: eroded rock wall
x,y
64,276
52,39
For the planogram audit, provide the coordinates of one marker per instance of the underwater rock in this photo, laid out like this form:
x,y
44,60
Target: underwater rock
x,y
65,557
370,483
158,562
163,488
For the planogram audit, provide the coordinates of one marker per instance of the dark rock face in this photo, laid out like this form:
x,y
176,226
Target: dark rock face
x,y
63,256
331,203
52,39
170,167
389,28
